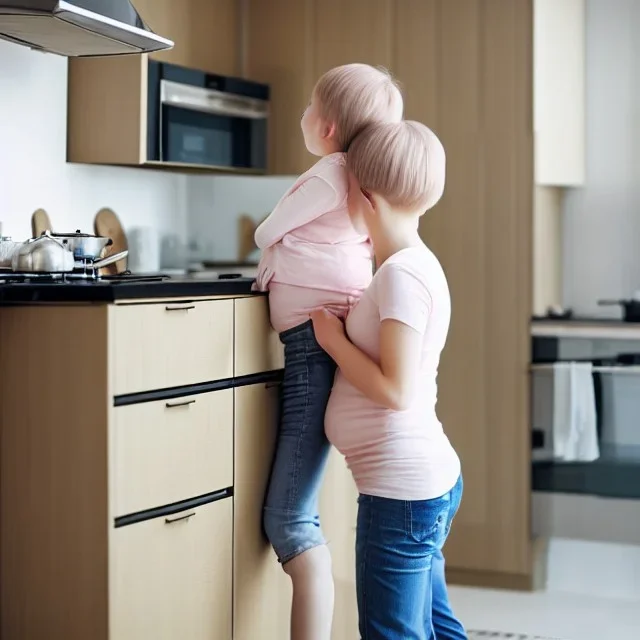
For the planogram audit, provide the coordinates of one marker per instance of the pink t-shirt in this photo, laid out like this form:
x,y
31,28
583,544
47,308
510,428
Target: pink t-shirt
x,y
403,455
312,256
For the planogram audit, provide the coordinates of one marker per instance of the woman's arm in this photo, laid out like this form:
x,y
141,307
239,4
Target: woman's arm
x,y
392,382
313,198
404,304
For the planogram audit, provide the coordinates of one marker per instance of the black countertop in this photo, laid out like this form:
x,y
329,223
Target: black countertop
x,y
106,291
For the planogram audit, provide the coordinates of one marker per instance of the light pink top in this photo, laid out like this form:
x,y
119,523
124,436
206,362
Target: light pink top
x,y
403,455
312,256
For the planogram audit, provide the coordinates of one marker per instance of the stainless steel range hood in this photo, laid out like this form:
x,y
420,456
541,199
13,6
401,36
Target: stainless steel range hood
x,y
78,27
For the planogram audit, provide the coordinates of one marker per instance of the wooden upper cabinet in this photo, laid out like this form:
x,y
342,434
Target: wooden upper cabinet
x,y
205,32
107,103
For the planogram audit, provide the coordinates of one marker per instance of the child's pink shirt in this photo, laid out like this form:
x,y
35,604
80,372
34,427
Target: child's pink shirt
x,y
312,255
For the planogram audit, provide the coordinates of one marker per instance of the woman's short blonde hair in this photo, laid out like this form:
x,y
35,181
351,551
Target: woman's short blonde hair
x,y
404,162
353,96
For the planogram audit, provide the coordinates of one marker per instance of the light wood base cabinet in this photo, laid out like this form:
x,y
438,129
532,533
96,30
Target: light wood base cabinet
x,y
171,576
261,589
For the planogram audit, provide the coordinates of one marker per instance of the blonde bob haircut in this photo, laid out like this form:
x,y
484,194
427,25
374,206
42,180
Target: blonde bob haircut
x,y
353,96
403,162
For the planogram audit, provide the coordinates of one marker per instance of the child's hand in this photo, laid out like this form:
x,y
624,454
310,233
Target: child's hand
x,y
328,329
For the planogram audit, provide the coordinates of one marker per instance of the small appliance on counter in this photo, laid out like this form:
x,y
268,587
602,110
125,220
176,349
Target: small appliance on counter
x,y
144,250
630,307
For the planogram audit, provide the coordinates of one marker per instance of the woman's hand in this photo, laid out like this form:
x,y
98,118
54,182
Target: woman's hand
x,y
328,328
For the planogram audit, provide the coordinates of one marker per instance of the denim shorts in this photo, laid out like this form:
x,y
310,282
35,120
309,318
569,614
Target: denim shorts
x,y
291,519
400,580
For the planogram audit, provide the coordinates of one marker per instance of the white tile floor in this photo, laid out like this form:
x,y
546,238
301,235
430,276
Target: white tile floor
x,y
549,615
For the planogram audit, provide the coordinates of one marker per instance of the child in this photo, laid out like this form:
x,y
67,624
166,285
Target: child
x,y
313,258
382,410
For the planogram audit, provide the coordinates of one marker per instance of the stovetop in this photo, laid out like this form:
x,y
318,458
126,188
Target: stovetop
x,y
10,277
28,288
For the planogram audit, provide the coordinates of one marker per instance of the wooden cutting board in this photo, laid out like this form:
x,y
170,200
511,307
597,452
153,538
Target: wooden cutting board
x,y
40,222
107,224
246,229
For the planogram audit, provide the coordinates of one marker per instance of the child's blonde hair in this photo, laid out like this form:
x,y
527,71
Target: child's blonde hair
x,y
404,162
353,96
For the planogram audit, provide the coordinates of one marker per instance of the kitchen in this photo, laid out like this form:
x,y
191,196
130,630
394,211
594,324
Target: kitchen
x,y
200,213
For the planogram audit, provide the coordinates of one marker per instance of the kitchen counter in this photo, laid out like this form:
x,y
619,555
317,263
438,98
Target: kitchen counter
x,y
589,328
114,290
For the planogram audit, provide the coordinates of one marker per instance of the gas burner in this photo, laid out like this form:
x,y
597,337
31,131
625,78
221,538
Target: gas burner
x,y
86,274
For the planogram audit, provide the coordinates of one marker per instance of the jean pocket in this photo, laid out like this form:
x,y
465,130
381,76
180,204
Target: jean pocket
x,y
429,521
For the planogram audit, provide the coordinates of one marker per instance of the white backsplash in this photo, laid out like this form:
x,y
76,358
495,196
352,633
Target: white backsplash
x,y
215,205
34,172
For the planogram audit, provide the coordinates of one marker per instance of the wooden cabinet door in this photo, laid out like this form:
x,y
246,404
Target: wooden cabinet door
x,y
280,53
338,511
467,71
205,32
257,347
261,589
347,31
170,576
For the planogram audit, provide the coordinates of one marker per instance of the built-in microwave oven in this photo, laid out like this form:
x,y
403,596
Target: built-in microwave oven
x,y
201,119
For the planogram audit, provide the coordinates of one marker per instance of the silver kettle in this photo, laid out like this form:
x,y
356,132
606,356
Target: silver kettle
x,y
43,255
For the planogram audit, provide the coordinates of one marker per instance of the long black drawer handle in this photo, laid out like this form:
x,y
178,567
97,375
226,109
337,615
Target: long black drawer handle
x,y
180,307
186,516
180,403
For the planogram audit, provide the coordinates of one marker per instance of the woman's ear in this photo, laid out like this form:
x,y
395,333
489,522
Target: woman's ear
x,y
369,200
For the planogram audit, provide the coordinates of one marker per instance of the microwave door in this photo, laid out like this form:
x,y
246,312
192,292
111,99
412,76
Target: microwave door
x,y
208,120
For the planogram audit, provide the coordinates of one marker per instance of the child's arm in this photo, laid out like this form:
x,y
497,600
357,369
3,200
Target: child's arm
x,y
313,198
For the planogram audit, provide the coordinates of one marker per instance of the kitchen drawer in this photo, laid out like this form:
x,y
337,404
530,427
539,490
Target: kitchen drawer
x,y
155,346
170,450
171,577
257,345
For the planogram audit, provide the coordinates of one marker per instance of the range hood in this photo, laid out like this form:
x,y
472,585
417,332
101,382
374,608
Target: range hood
x,y
78,27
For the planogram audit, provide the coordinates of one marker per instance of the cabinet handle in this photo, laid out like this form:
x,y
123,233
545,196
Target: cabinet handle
x,y
180,403
180,307
186,516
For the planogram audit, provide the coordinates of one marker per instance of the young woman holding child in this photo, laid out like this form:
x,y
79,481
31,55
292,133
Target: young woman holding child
x,y
317,261
382,409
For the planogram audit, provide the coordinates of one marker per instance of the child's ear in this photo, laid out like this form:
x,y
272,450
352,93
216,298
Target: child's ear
x,y
329,130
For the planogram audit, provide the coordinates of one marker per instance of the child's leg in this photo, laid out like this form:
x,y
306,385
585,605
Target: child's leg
x,y
291,518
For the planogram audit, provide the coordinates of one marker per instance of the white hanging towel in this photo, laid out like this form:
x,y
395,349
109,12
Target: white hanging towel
x,y
575,434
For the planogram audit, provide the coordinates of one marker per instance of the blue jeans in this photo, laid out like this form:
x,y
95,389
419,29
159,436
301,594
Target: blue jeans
x,y
291,519
402,593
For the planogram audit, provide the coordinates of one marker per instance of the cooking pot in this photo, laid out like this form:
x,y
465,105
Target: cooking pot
x,y
84,246
48,254
630,308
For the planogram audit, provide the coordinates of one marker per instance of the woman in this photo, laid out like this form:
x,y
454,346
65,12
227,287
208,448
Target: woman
x,y
381,413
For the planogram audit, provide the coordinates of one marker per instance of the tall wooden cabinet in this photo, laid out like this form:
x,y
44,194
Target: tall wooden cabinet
x,y
466,70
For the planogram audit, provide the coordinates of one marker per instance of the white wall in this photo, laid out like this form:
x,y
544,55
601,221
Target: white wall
x,y
601,227
33,170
